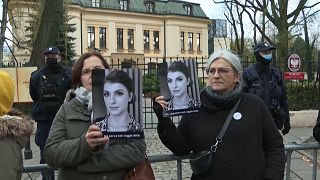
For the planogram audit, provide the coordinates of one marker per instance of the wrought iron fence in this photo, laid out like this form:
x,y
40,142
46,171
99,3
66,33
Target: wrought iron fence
x,y
301,94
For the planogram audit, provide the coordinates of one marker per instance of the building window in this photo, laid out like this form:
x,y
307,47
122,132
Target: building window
x,y
119,38
146,39
90,37
156,40
130,39
102,37
190,41
95,3
123,4
198,41
182,41
188,9
150,6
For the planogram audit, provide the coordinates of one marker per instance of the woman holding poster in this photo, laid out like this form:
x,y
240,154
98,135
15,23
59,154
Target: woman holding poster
x,y
251,147
76,146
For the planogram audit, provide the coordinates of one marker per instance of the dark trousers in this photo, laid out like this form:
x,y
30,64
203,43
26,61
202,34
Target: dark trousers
x,y
43,128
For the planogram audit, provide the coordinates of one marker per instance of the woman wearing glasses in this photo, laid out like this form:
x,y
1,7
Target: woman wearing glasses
x,y
78,148
252,148
179,79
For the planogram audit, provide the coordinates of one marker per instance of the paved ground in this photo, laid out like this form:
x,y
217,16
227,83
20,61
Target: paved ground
x,y
300,165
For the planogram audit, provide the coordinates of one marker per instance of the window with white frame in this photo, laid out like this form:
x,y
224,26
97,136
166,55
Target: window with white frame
x,y
123,4
156,40
198,42
182,41
190,41
146,40
188,9
91,37
150,6
95,3
130,39
102,37
119,38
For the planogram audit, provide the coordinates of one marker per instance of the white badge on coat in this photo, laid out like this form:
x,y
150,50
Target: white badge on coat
x,y
237,116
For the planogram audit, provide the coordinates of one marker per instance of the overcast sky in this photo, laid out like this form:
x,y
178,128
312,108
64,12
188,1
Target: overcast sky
x,y
212,10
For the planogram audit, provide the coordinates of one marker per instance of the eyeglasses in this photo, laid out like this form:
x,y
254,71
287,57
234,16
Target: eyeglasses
x,y
221,71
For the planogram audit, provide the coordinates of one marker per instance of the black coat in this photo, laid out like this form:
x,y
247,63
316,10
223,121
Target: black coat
x,y
37,112
252,148
316,129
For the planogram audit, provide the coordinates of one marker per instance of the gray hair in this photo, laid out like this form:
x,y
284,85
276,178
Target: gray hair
x,y
232,58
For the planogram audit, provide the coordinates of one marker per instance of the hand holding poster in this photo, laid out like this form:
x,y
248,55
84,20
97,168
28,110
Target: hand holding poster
x,y
179,86
122,91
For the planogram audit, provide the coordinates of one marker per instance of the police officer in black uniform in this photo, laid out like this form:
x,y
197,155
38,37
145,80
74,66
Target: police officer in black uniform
x,y
48,87
266,82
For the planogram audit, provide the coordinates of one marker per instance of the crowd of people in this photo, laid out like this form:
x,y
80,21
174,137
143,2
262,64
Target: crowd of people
x,y
252,147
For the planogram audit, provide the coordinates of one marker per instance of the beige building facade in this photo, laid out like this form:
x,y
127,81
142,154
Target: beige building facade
x,y
134,29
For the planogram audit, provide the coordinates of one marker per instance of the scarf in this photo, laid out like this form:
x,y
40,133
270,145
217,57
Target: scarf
x,y
84,96
223,101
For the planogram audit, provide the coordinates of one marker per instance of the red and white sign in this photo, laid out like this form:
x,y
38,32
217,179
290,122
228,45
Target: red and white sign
x,y
293,75
294,62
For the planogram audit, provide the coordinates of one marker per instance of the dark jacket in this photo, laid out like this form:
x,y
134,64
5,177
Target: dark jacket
x,y
37,111
316,129
14,132
257,81
252,148
67,149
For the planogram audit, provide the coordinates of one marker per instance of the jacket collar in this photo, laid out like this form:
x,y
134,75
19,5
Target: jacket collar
x,y
14,126
79,107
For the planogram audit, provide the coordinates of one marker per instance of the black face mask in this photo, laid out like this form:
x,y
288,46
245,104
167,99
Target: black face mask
x,y
52,62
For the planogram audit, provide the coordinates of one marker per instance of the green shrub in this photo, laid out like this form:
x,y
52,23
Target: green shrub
x,y
151,83
303,96
201,82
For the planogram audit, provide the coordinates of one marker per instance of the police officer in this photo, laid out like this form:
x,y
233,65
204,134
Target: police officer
x,y
47,89
266,82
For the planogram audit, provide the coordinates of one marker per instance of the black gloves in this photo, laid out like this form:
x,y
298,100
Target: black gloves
x,y
286,127
157,108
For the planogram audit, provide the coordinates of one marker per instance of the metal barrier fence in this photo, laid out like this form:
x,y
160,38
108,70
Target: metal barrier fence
x,y
170,157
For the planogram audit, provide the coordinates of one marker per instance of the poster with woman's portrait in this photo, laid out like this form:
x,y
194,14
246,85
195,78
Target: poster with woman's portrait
x,y
117,102
179,85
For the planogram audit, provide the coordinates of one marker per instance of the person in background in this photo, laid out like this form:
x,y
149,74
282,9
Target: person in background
x,y
48,87
266,82
252,147
77,147
15,129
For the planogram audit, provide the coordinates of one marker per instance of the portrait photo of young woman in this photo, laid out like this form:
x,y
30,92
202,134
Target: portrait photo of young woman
x,y
118,94
183,91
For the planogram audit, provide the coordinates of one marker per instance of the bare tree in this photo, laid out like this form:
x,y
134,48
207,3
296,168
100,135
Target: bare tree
x,y
50,22
3,28
236,23
276,11
308,47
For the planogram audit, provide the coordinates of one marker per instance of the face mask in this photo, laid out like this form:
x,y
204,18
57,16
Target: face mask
x,y
52,62
267,57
